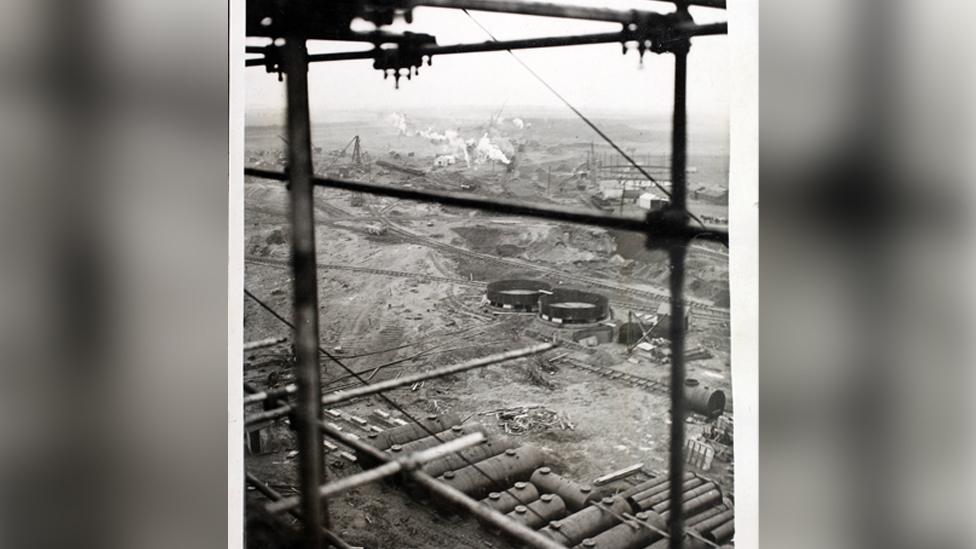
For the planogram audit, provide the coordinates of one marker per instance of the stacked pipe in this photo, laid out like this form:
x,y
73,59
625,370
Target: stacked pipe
x,y
474,454
575,495
660,493
647,484
587,522
508,500
406,433
456,431
719,528
539,512
628,535
503,470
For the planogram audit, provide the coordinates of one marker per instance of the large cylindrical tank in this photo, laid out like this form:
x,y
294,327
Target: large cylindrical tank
x,y
412,431
575,495
569,306
539,512
467,456
517,295
704,400
629,333
456,431
627,535
507,500
586,522
505,469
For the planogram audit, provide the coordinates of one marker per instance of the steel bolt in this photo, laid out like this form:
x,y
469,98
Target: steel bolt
x,y
494,495
521,509
545,470
520,485
546,497
449,474
555,525
510,452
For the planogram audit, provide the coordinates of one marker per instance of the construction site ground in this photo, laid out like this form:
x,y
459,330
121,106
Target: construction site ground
x,y
407,279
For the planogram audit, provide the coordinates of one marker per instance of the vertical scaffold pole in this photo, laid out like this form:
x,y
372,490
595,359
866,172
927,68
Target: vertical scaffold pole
x,y
676,252
308,413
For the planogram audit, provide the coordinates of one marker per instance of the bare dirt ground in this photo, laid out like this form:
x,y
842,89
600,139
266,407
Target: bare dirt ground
x,y
400,274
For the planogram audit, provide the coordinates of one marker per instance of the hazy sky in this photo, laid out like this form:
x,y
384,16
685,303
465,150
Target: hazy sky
x,y
593,77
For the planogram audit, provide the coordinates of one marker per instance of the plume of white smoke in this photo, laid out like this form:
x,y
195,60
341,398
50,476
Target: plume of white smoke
x,y
399,121
485,149
518,123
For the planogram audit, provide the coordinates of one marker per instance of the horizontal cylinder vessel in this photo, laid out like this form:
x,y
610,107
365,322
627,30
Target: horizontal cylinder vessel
x,y
662,487
627,535
412,431
587,522
467,456
503,470
539,512
704,400
575,495
457,431
506,501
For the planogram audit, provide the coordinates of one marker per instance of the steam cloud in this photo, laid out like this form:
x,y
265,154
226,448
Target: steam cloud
x,y
452,143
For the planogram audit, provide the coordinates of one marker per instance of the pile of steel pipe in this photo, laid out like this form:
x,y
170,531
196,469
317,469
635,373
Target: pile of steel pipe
x,y
718,528
695,504
723,532
538,513
456,431
687,494
506,502
653,496
587,522
407,433
479,452
648,484
627,535
575,495
478,479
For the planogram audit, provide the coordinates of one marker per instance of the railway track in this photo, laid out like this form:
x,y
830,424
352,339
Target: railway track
x,y
624,304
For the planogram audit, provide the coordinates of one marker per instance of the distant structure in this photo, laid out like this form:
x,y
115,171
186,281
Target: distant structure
x,y
663,326
650,201
568,306
516,294
445,160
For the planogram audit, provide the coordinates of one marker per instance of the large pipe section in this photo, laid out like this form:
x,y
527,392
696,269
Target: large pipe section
x,y
688,494
649,484
456,431
695,504
722,533
506,502
704,400
459,460
539,512
698,518
478,479
627,535
646,500
714,522
412,431
575,495
587,522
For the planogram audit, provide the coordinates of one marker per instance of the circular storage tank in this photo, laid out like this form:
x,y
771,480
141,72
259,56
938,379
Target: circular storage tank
x,y
630,333
516,295
567,306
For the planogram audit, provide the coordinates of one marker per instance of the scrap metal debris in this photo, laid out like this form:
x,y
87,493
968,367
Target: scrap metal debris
x,y
531,419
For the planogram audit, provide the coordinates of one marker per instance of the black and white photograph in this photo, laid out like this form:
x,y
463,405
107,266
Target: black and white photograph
x,y
487,299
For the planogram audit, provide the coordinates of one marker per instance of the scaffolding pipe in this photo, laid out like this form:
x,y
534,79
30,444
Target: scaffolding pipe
x,y
677,249
674,228
450,495
311,464
262,343
407,463
550,9
273,495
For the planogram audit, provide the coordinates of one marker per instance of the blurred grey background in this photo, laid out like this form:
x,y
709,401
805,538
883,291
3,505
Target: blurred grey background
x,y
113,429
